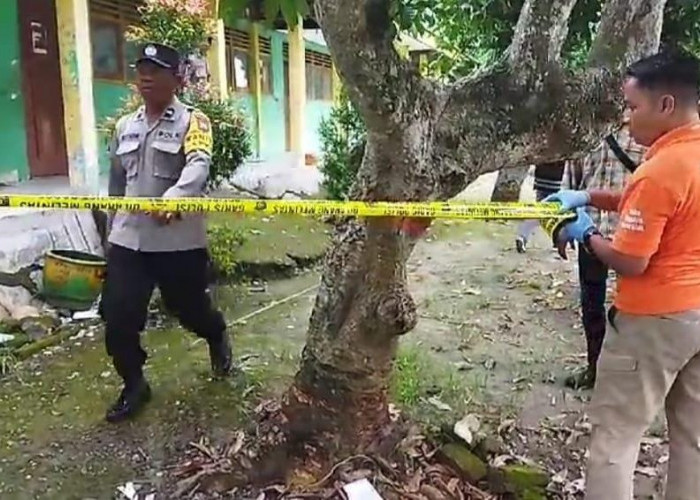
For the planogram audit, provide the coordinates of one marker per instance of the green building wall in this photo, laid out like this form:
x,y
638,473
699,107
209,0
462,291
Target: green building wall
x,y
315,111
13,140
108,99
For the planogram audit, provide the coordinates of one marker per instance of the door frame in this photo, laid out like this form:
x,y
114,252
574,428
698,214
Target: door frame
x,y
23,14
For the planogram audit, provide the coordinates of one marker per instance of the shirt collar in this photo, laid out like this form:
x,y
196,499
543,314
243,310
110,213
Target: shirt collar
x,y
683,133
171,114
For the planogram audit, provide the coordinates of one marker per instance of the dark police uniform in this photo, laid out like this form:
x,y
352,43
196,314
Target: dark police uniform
x,y
169,158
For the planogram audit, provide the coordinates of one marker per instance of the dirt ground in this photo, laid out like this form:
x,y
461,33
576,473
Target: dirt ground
x,y
498,333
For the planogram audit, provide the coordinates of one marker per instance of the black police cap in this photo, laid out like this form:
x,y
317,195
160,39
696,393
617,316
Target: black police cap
x,y
162,55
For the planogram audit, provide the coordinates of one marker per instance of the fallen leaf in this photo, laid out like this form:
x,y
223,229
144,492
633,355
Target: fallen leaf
x,y
646,471
439,404
394,412
128,490
505,426
560,477
466,428
575,487
502,460
238,444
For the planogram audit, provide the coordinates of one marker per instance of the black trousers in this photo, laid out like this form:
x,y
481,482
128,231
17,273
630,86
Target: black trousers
x,y
593,279
131,278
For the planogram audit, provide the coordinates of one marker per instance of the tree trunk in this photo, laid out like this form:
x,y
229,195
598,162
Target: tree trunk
x,y
362,307
509,183
426,141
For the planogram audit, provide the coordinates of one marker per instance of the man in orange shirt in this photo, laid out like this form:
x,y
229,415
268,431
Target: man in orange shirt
x,y
651,354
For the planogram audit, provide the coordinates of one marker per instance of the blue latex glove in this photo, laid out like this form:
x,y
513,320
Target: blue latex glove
x,y
569,199
574,231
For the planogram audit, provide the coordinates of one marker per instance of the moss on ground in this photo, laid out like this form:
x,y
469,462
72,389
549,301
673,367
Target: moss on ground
x,y
270,238
51,409
55,442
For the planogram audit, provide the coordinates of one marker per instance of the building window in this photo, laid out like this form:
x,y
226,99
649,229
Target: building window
x,y
265,74
239,71
112,54
319,76
106,53
239,61
319,83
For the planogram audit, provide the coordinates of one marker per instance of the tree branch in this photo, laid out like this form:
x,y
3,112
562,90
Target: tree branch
x,y
538,38
528,112
493,122
629,30
360,35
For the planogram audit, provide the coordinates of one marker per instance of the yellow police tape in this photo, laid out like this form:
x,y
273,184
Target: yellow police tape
x,y
429,209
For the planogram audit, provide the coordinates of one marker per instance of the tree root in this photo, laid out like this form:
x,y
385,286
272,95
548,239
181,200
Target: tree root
x,y
410,470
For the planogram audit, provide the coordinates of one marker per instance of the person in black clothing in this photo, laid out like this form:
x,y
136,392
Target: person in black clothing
x,y
547,181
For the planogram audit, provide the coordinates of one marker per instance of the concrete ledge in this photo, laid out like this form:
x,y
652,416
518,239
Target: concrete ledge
x,y
26,235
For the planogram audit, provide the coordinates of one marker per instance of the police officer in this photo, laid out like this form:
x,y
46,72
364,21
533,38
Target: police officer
x,y
161,150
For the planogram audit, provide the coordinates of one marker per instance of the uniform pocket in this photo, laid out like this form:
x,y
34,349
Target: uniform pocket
x,y
128,154
167,160
617,363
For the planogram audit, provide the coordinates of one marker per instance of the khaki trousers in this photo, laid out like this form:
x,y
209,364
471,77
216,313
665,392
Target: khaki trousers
x,y
646,362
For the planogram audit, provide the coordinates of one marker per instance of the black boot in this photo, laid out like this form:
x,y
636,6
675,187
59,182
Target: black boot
x,y
583,379
132,399
221,356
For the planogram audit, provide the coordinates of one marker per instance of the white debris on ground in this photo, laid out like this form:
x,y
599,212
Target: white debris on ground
x,y
361,490
285,176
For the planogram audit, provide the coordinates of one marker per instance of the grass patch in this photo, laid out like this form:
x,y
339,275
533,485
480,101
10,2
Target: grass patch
x,y
269,238
56,444
430,393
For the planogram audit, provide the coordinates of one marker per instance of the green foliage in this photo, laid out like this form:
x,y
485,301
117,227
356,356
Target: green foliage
x,y
342,142
682,24
271,9
185,25
232,143
408,380
224,242
474,35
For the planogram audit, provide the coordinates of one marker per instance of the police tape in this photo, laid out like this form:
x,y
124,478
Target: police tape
x,y
427,209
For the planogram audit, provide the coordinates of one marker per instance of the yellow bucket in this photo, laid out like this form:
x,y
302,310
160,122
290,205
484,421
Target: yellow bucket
x,y
72,280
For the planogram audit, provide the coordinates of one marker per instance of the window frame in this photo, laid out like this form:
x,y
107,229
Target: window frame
x,y
232,70
266,84
238,41
97,20
319,72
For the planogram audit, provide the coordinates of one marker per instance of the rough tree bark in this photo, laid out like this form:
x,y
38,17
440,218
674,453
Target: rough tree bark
x,y
427,141
509,183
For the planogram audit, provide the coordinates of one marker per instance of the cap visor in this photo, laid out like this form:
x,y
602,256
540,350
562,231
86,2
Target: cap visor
x,y
155,60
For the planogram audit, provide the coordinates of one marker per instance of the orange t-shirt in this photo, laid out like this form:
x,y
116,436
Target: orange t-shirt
x,y
660,219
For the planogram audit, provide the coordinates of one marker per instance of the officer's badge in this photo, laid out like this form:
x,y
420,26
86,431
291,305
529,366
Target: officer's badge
x,y
150,51
199,137
202,122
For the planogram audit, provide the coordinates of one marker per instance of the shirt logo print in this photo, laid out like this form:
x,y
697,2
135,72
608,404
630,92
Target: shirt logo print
x,y
632,220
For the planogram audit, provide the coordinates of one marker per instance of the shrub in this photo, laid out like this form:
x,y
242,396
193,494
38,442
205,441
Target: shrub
x,y
232,144
224,242
183,24
343,137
